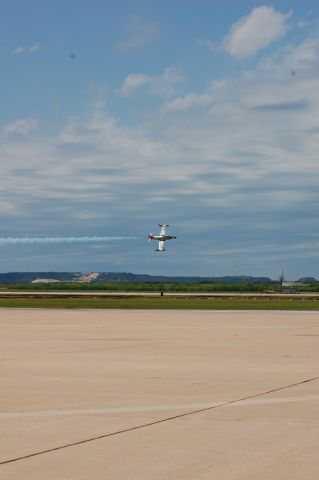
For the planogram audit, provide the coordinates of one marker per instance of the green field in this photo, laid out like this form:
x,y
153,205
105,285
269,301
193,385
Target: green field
x,y
163,303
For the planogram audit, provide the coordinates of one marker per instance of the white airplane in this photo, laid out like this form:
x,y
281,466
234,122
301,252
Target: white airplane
x,y
162,237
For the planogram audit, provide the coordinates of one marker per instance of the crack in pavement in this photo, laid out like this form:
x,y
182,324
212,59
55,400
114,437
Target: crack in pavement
x,y
156,422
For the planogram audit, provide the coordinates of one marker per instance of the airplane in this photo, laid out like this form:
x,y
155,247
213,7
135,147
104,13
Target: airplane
x,y
162,237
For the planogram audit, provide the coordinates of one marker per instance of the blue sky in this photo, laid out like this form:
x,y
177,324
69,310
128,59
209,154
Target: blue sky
x,y
117,116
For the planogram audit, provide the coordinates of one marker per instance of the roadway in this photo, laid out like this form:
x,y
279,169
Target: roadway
x,y
111,294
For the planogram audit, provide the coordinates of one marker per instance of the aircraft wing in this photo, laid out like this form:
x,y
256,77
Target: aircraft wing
x,y
161,246
163,229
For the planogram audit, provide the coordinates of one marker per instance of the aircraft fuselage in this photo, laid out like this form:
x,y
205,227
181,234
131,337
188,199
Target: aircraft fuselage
x,y
162,238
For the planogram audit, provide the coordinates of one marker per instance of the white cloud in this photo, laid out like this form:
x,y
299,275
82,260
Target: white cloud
x,y
34,48
139,32
190,100
294,58
20,49
164,85
98,92
102,131
257,30
21,126
306,54
208,43
302,23
134,81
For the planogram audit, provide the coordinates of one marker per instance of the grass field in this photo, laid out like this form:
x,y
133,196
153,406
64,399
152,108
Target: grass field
x,y
163,303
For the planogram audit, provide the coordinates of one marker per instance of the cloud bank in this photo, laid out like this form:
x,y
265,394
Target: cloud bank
x,y
232,165
165,85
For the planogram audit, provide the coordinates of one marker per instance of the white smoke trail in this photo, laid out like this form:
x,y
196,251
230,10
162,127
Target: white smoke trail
x,y
44,240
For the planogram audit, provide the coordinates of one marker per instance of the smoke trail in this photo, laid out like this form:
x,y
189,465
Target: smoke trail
x,y
44,240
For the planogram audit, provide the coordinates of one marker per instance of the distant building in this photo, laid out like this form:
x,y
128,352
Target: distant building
x,y
290,287
45,280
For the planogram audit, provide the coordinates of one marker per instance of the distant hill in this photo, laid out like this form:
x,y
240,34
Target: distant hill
x,y
307,280
28,277
133,277
93,277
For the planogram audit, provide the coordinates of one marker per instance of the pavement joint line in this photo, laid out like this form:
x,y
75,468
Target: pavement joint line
x,y
67,352
155,408
155,422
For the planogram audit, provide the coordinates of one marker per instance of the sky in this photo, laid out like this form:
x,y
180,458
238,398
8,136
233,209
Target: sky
x,y
119,115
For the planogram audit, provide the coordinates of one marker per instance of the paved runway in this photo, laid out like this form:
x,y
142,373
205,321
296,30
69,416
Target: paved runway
x,y
159,394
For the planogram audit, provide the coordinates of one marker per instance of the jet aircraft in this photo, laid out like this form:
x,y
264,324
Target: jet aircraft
x,y
161,238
